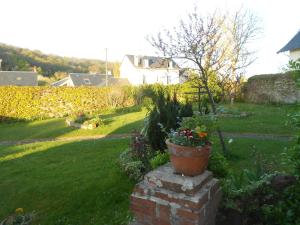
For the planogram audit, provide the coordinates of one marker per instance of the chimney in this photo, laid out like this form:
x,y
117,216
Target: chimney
x,y
171,64
136,60
146,63
0,64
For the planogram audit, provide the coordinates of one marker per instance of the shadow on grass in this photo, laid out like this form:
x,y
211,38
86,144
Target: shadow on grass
x,y
77,182
34,130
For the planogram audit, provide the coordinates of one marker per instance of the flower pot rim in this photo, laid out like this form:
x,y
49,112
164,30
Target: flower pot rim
x,y
168,142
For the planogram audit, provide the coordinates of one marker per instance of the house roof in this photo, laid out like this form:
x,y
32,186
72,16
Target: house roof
x,y
293,44
18,78
84,79
98,80
154,62
60,82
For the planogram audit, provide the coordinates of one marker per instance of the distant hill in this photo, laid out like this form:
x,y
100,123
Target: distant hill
x,y
21,59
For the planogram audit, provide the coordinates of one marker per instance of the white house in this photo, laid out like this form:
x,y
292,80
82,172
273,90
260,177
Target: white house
x,y
293,46
149,70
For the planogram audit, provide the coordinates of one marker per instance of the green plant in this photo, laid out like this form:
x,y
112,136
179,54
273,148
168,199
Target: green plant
x,y
188,137
218,164
94,122
135,160
159,159
131,167
19,218
193,131
165,115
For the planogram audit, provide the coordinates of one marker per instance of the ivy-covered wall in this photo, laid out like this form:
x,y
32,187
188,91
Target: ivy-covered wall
x,y
48,102
271,88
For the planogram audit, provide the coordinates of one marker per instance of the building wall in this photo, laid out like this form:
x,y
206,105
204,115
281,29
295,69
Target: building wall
x,y
294,55
272,88
138,76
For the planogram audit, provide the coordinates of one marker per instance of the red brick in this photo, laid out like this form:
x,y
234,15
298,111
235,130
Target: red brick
x,y
190,215
214,189
138,189
163,213
143,202
158,221
183,202
187,222
144,219
140,205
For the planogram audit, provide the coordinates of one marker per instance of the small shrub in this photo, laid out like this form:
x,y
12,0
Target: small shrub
x,y
134,162
94,122
159,159
86,120
218,165
132,168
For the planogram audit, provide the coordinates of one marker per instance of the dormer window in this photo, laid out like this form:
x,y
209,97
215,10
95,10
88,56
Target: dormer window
x,y
87,81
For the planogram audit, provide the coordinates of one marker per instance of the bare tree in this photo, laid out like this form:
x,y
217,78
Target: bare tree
x,y
207,45
242,28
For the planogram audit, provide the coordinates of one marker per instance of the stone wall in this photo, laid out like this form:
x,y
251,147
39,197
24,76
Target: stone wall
x,y
271,88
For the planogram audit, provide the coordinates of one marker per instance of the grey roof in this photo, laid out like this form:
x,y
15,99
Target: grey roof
x,y
85,79
293,44
154,62
18,78
60,82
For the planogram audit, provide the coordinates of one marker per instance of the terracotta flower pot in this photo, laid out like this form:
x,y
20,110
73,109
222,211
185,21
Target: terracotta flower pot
x,y
189,161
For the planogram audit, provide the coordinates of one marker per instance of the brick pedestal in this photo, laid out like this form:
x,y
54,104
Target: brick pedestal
x,y
165,198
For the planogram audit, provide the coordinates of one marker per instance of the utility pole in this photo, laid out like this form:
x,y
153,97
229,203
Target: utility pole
x,y
106,81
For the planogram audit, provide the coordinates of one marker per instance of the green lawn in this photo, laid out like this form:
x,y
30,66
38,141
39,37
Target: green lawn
x,y
116,123
268,119
65,182
242,153
80,182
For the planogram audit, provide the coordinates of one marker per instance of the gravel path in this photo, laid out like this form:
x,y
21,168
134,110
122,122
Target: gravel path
x,y
117,136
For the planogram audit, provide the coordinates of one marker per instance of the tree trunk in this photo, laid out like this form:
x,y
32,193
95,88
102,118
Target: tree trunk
x,y
214,109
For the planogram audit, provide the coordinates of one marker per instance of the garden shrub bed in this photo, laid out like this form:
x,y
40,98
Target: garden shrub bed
x,y
83,121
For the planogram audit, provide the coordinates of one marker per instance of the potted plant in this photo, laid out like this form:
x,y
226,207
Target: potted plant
x,y
189,147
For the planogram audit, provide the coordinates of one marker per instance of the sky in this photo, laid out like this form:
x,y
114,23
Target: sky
x,y
84,28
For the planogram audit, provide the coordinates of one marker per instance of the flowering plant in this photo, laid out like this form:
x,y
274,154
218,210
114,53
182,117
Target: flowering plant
x,y
189,137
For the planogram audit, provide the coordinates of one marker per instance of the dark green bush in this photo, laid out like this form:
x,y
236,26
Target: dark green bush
x,y
165,115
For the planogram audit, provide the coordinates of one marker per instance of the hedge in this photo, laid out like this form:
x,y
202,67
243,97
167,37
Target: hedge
x,y
48,102
29,103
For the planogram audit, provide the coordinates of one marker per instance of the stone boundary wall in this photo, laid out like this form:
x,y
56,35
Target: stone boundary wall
x,y
271,88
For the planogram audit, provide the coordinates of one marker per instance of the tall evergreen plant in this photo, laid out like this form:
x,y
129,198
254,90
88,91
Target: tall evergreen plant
x,y
165,115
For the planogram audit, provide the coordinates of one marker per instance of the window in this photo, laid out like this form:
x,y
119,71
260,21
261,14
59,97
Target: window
x,y
87,81
19,78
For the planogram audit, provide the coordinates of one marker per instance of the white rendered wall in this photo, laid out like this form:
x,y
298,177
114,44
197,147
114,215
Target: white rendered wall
x,y
294,55
138,76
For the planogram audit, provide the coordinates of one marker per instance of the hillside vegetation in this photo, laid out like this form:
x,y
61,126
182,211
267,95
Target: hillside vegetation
x,y
21,59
